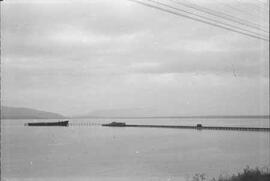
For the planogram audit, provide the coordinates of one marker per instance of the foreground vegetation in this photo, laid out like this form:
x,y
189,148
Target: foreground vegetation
x,y
247,174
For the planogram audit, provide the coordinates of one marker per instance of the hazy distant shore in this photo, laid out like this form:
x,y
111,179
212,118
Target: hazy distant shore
x,y
28,113
147,117
175,117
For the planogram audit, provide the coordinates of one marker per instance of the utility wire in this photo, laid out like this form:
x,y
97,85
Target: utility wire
x,y
200,20
203,17
251,13
221,15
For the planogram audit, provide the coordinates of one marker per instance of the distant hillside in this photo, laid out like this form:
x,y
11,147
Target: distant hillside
x,y
152,113
111,113
27,113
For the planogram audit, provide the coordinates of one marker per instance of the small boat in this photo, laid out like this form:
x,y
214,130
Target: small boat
x,y
199,126
59,123
118,124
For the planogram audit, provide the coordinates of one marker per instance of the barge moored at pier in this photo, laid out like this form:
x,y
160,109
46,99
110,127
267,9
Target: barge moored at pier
x,y
59,123
115,124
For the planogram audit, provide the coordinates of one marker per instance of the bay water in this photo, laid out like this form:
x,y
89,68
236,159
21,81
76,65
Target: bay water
x,y
87,151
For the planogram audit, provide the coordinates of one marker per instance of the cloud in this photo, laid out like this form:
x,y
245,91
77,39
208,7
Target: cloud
x,y
100,54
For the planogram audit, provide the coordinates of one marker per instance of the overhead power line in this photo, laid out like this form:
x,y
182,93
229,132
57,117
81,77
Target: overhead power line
x,y
251,13
201,19
220,15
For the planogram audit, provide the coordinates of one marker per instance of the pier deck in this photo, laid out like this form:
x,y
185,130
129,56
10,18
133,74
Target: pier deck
x,y
198,127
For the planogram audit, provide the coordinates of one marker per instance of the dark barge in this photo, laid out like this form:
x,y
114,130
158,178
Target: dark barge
x,y
59,123
198,127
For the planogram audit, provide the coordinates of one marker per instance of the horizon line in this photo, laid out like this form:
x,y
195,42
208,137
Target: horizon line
x,y
149,117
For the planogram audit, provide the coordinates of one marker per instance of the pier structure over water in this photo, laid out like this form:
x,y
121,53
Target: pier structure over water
x,y
197,127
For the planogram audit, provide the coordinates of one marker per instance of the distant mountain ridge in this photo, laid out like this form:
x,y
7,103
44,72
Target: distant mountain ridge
x,y
172,117
27,113
137,113
151,113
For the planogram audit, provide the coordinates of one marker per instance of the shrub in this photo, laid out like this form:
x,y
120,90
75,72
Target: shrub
x,y
247,174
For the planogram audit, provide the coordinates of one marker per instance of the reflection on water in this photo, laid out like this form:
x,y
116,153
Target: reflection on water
x,y
103,153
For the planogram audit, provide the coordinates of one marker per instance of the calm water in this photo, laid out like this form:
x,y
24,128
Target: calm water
x,y
104,153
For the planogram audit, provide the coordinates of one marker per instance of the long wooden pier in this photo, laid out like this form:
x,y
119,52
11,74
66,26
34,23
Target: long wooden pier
x,y
197,127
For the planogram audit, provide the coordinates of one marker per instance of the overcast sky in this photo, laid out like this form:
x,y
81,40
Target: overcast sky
x,y
75,57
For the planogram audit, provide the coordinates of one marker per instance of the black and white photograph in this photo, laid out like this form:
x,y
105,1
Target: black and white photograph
x,y
135,90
